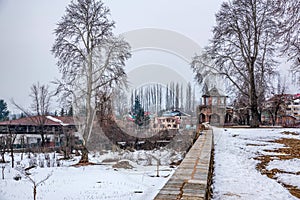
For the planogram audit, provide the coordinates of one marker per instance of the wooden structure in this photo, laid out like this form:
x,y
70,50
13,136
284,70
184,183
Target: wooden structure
x,y
28,130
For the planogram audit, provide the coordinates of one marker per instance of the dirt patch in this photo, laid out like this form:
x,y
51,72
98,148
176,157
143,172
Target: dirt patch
x,y
232,195
256,145
110,160
84,164
290,150
289,133
123,164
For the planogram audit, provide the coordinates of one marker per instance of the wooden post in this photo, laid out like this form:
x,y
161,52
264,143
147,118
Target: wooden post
x,y
157,165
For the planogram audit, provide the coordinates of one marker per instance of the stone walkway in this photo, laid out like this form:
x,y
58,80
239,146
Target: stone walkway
x,y
192,178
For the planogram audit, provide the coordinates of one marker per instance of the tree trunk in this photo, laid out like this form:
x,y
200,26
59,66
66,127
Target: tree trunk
x,y
3,167
34,192
275,119
254,123
255,117
66,153
66,148
3,159
12,156
84,155
43,139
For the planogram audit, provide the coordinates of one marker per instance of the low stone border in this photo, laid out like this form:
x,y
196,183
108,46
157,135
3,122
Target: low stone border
x,y
192,178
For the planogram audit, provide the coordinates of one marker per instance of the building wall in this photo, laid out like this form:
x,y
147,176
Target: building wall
x,y
169,122
214,110
293,108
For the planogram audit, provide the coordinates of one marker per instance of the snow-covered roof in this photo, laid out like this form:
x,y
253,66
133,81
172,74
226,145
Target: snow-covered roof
x,y
57,120
45,120
174,113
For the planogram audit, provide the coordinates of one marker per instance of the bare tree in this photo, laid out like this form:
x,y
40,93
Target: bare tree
x,y
181,97
288,17
41,100
241,110
167,99
177,96
171,90
242,49
7,143
67,141
3,148
25,172
276,105
89,58
119,102
159,89
10,140
104,100
188,99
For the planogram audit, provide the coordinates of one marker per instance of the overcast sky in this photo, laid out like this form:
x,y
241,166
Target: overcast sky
x,y
26,34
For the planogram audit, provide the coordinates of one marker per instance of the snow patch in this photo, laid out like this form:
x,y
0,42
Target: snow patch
x,y
235,174
56,120
289,179
292,165
100,181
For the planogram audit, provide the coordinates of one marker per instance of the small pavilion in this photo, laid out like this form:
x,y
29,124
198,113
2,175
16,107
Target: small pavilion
x,y
213,108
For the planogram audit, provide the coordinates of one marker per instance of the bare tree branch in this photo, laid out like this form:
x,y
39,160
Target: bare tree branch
x,y
90,59
241,49
41,100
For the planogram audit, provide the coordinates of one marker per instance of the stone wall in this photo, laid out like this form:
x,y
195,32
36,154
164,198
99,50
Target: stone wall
x,y
193,176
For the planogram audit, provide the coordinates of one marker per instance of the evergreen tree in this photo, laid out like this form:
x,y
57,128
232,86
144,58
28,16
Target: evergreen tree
x,y
3,110
62,112
137,105
141,119
70,112
14,117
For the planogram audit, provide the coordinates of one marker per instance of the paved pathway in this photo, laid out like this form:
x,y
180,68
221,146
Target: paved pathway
x,y
191,178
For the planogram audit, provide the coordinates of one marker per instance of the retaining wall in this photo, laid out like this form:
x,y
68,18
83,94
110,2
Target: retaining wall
x,y
192,178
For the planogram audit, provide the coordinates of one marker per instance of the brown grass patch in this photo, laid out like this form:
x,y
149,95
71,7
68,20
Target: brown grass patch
x,y
289,133
290,151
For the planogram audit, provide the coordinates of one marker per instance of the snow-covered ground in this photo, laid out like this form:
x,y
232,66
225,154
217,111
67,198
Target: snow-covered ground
x,y
101,181
235,173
